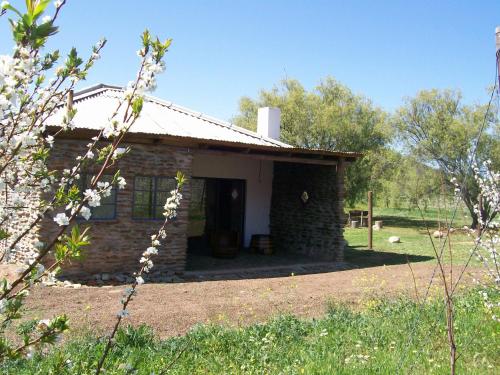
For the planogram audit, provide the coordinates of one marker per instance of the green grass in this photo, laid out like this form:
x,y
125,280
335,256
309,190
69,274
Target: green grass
x,y
415,242
381,338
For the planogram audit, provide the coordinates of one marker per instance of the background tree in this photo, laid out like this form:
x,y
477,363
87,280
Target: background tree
x,y
330,117
399,181
441,131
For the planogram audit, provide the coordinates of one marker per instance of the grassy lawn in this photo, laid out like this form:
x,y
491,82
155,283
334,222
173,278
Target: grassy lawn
x,y
415,242
382,338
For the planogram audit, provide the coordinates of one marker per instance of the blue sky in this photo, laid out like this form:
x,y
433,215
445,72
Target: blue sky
x,y
223,50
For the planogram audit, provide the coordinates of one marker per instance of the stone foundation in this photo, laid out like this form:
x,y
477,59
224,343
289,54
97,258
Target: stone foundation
x,y
314,227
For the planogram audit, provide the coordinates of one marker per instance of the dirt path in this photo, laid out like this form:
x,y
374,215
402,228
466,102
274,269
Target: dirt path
x,y
173,308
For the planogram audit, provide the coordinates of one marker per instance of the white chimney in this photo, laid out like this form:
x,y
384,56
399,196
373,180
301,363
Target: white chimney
x,y
497,35
268,122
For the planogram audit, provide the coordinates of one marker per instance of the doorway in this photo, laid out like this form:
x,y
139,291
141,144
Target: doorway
x,y
216,216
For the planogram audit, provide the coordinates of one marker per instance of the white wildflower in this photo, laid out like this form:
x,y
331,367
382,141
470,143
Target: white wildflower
x,y
43,324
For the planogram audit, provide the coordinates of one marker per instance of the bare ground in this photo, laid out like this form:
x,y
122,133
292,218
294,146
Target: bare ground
x,y
171,309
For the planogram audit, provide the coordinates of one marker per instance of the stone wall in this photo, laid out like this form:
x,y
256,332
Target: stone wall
x,y
314,228
117,244
25,249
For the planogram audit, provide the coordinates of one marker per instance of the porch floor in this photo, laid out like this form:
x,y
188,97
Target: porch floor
x,y
253,265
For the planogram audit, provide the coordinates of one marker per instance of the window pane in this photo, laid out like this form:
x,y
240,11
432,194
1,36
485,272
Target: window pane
x,y
142,212
142,198
159,212
165,184
143,183
107,209
110,199
161,198
103,212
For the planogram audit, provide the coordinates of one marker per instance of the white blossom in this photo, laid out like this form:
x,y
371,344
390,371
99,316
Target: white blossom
x,y
123,313
121,183
85,212
486,245
93,197
61,219
50,140
170,208
150,251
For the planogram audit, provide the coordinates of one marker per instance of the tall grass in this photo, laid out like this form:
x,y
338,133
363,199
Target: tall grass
x,y
381,337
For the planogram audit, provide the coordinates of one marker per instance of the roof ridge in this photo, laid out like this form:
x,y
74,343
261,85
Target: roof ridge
x,y
97,87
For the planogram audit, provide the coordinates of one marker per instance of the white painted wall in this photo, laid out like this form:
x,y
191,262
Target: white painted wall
x,y
258,175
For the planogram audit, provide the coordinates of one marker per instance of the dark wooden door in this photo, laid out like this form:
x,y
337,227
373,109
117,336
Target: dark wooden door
x,y
226,209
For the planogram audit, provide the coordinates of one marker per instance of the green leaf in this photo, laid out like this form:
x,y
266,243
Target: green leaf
x,y
71,247
146,39
137,106
40,8
180,178
3,234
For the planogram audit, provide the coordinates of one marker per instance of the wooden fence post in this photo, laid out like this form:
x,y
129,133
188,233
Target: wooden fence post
x,y
370,220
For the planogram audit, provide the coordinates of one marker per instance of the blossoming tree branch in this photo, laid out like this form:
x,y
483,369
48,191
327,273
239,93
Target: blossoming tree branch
x,y
34,85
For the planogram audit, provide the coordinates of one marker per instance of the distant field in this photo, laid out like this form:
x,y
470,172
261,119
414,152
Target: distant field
x,y
415,242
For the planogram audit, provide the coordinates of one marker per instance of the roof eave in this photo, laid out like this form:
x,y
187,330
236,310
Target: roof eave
x,y
219,145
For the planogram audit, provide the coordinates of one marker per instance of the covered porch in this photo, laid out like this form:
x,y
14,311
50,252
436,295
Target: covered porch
x,y
293,200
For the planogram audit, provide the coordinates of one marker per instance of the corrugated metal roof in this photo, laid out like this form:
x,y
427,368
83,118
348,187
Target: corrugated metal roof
x,y
96,104
167,120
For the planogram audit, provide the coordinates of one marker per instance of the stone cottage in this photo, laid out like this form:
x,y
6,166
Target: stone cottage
x,y
240,184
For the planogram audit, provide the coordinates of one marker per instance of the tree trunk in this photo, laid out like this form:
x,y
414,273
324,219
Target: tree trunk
x,y
470,202
475,220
